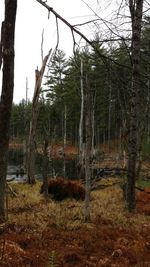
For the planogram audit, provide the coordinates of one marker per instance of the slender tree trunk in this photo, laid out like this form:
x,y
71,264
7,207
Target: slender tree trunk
x,y
7,93
148,115
81,112
33,123
81,146
109,110
45,168
26,128
65,140
136,8
93,120
87,151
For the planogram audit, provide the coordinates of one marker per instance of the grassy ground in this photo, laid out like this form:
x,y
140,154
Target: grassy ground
x,y
46,234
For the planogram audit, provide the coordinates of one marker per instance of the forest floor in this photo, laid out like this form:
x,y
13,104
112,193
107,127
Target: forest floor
x,y
48,234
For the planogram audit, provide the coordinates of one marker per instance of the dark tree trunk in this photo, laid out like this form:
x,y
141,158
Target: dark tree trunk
x,y
136,8
7,49
1,45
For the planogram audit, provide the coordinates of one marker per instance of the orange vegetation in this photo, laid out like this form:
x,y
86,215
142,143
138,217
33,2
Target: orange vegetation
x,y
102,243
143,201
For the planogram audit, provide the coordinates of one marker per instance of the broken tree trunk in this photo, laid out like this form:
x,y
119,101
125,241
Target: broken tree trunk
x,y
33,122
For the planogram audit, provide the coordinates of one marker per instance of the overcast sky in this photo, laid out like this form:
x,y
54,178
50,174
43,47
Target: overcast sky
x,y
32,18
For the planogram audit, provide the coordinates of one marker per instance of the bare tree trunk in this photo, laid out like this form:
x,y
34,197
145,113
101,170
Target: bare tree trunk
x,y
109,109
87,151
26,128
93,126
81,113
64,140
45,168
33,122
148,119
81,146
136,8
7,93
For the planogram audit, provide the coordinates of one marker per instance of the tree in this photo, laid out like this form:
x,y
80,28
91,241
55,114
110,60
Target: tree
x,y
81,125
136,11
33,122
7,42
55,86
88,148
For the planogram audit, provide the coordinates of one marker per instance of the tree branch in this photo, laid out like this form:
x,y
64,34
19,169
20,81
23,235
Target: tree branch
x,y
73,29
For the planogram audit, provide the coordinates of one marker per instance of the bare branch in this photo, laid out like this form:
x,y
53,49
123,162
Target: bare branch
x,y
49,14
105,22
57,33
114,40
73,29
42,44
120,7
84,23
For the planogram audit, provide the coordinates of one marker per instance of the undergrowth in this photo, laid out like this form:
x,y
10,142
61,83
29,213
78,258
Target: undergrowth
x,y
29,209
52,261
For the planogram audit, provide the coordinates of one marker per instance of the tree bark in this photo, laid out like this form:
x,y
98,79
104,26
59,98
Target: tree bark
x,y
7,48
45,168
136,9
88,136
109,109
1,44
81,145
64,140
33,123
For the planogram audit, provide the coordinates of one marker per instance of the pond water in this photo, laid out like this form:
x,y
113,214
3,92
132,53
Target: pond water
x,y
16,162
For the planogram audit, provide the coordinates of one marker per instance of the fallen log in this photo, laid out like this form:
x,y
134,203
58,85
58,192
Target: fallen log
x,y
10,179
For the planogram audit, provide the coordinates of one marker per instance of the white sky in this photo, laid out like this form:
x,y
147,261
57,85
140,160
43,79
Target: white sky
x,y
32,18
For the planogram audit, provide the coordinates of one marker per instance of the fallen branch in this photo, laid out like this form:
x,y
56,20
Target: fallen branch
x,y
9,188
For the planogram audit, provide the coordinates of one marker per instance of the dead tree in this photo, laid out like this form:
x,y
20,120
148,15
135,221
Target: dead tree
x,y
33,122
7,52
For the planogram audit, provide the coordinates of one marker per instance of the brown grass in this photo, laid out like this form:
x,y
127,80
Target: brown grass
x,y
37,232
